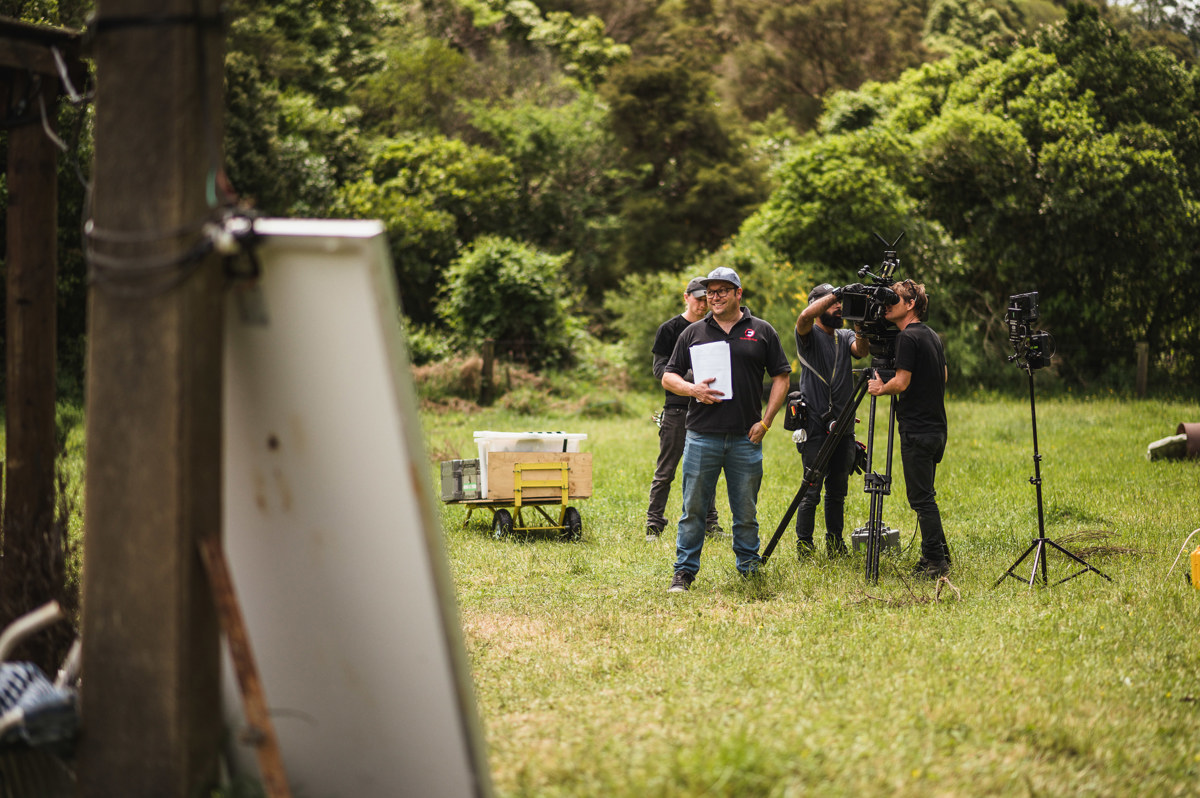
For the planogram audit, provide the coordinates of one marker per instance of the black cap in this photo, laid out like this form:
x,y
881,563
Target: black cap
x,y
818,292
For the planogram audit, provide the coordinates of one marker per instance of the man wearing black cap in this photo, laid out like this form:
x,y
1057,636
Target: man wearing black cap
x,y
827,383
671,423
726,425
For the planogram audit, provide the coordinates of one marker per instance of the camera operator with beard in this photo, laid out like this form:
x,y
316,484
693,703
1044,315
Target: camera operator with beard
x,y
920,385
826,381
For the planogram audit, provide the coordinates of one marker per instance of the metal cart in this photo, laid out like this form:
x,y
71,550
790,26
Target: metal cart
x,y
526,476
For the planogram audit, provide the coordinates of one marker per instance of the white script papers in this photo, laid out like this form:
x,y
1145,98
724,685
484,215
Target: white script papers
x,y
712,360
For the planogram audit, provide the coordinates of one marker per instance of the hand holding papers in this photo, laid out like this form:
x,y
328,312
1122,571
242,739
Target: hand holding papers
x,y
711,361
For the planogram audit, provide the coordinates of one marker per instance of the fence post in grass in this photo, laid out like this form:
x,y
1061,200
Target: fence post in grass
x,y
1143,366
487,387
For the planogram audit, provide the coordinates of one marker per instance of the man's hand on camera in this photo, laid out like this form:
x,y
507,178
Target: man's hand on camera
x,y
853,288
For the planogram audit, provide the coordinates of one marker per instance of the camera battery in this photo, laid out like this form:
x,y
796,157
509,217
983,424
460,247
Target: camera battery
x,y
460,480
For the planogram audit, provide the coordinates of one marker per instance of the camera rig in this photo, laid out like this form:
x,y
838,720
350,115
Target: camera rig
x,y
1033,348
867,306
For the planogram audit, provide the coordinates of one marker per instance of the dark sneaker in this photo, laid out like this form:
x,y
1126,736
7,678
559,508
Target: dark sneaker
x,y
835,546
653,533
681,582
931,569
804,549
714,531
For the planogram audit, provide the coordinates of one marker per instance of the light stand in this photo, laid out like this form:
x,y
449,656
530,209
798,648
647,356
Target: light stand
x,y
1031,350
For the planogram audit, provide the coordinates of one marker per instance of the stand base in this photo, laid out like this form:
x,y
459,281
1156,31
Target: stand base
x,y
1038,549
889,538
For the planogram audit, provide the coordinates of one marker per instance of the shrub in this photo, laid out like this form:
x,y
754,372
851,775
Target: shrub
x,y
512,293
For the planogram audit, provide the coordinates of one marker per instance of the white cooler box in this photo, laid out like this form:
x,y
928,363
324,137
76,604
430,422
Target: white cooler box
x,y
489,441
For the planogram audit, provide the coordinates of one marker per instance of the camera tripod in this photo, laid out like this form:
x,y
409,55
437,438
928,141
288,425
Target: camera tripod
x,y
878,485
1038,547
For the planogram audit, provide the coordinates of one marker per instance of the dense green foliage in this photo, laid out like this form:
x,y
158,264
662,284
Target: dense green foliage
x,y
1067,164
637,144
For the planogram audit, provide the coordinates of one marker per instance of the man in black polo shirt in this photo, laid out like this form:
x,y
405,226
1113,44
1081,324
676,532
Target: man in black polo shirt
x,y
724,425
827,382
671,423
920,385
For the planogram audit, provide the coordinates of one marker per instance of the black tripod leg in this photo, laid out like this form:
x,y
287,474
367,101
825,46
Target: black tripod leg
x,y
816,473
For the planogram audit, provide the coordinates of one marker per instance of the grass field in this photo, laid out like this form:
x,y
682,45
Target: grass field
x,y
592,680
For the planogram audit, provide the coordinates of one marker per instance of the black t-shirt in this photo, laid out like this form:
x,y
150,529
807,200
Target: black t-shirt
x,y
921,409
664,346
754,350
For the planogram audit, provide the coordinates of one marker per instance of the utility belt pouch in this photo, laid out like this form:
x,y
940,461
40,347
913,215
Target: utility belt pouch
x,y
795,412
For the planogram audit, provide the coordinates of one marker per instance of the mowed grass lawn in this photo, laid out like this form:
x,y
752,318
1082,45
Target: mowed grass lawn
x,y
592,680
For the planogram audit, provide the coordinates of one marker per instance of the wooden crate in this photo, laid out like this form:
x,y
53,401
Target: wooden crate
x,y
500,474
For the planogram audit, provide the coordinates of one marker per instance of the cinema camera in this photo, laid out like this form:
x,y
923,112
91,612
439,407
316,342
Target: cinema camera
x,y
866,305
1033,348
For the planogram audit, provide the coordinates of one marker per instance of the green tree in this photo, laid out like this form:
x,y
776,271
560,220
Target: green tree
x,y
568,182
695,181
435,195
1065,165
512,293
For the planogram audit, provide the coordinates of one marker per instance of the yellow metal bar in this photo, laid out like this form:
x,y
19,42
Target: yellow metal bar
x,y
560,481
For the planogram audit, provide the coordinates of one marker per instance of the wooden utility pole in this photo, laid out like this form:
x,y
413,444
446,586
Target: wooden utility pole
x,y
151,709
32,571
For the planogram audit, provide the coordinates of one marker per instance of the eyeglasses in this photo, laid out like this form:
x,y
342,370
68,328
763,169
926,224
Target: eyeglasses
x,y
718,293
910,292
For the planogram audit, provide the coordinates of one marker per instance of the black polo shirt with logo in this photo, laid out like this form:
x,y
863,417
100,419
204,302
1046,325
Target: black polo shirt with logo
x,y
754,350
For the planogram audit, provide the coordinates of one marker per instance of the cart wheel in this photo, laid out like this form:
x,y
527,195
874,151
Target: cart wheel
x,y
573,525
501,524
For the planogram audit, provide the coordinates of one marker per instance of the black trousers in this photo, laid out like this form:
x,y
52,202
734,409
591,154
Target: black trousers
x,y
835,484
920,455
671,436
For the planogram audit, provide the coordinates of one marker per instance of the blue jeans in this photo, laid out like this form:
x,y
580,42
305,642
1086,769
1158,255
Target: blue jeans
x,y
704,457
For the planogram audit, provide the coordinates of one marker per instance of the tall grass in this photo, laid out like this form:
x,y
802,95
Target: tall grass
x,y
592,680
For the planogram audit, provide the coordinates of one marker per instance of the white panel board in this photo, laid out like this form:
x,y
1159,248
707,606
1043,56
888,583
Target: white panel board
x,y
330,527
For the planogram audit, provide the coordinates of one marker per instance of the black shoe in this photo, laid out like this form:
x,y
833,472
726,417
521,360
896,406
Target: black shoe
x,y
681,582
653,532
714,531
804,549
835,546
931,569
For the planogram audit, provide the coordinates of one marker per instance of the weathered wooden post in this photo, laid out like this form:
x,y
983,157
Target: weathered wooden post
x,y
151,654
1143,366
27,579
487,385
